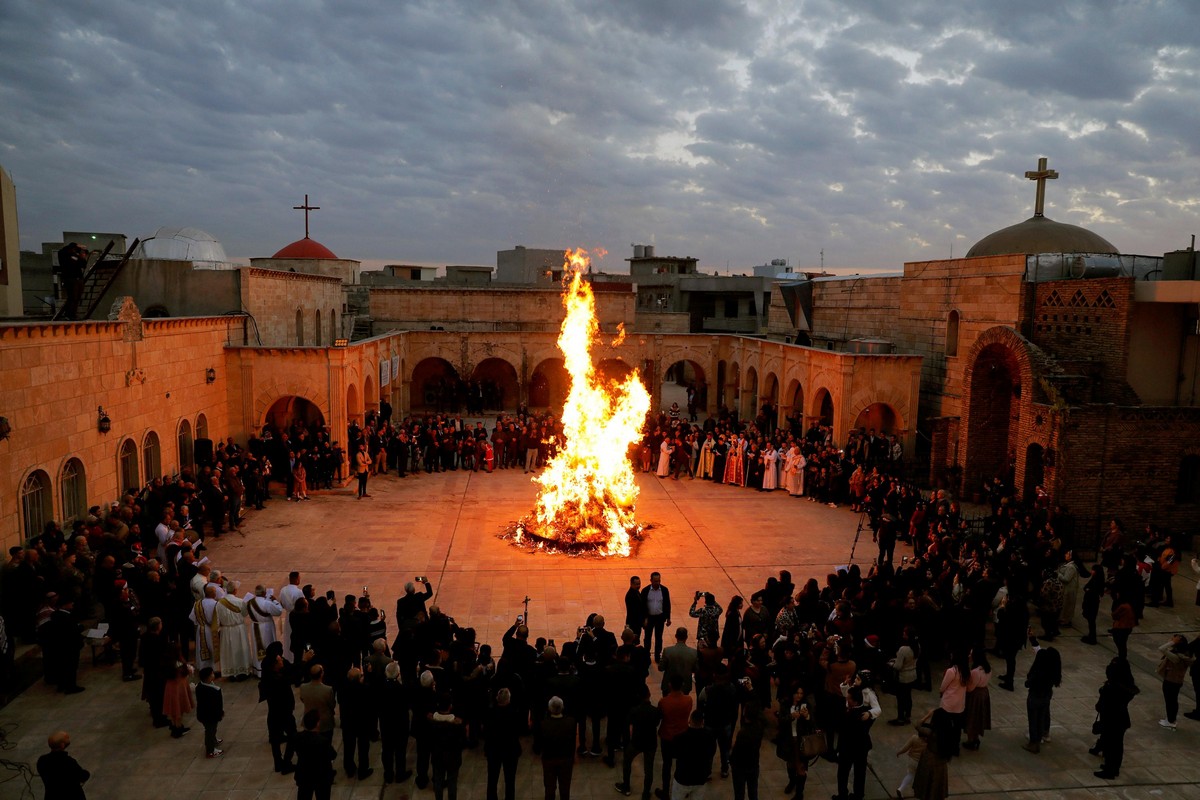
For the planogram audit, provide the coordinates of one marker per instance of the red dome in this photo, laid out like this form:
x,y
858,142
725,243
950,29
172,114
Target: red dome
x,y
305,248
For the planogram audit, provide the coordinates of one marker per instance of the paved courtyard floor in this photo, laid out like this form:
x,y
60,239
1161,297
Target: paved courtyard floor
x,y
707,537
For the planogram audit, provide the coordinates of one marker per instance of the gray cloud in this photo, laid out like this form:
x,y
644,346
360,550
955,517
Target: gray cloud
x,y
731,131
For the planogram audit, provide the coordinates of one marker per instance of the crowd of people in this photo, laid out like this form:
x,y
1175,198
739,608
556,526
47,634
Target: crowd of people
x,y
802,666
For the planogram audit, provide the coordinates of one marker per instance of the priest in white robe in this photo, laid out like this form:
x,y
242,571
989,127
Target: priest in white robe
x,y
204,618
236,658
262,609
288,596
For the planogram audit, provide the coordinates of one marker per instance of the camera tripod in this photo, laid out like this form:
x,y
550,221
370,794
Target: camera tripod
x,y
864,520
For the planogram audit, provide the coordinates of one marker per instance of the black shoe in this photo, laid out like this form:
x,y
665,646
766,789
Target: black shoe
x,y
1106,775
404,776
287,769
897,722
623,788
72,690
162,722
791,787
363,774
1088,640
1095,751
609,761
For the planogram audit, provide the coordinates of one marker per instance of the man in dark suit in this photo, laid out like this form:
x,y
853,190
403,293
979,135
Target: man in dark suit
x,y
635,607
679,661
656,602
61,774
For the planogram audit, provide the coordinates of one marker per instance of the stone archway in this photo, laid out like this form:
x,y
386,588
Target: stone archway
x,y
822,410
993,414
613,369
879,417
290,410
354,410
748,407
792,407
494,385
549,384
434,385
770,394
370,393
681,378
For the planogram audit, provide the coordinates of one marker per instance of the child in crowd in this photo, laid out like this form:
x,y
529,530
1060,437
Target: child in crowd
x,y
210,709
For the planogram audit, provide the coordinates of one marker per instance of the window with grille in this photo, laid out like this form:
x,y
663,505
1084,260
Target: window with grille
x,y
73,485
184,442
151,457
36,508
127,466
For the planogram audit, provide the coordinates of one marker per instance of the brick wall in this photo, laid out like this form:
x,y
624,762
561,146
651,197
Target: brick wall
x,y
55,377
1124,462
1087,322
488,309
275,298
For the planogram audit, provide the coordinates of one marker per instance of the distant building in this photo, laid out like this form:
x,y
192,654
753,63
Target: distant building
x,y
11,302
529,267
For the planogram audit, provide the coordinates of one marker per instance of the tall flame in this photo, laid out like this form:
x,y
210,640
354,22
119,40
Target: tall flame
x,y
588,492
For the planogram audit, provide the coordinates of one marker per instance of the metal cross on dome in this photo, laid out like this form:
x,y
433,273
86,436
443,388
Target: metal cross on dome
x,y
307,208
1041,175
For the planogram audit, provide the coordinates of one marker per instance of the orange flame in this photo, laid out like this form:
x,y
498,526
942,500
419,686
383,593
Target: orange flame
x,y
588,492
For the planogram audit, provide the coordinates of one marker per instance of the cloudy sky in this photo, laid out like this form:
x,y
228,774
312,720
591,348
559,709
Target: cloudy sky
x,y
736,132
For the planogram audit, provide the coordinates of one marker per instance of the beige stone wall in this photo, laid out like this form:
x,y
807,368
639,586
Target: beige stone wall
x,y
345,270
276,298
11,302
488,309
54,376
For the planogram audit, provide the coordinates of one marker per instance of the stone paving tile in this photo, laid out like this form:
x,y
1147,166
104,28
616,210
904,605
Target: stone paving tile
x,y
708,537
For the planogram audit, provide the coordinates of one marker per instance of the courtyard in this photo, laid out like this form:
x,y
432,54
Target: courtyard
x,y
721,539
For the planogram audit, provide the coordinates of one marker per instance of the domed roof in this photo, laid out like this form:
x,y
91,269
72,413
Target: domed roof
x,y
181,244
1038,234
305,248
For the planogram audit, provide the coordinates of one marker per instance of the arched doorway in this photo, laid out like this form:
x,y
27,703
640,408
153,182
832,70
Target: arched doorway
x,y
1035,471
749,396
291,411
793,406
435,385
370,393
682,380
494,385
548,385
127,467
823,407
770,395
995,384
612,370
722,379
879,417
354,410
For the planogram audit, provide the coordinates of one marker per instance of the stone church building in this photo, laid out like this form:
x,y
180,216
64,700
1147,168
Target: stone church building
x,y
1044,355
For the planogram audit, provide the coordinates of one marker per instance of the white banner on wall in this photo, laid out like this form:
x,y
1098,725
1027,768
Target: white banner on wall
x,y
385,372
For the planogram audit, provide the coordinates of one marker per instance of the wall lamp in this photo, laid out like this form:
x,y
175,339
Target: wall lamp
x,y
210,375
341,342
103,422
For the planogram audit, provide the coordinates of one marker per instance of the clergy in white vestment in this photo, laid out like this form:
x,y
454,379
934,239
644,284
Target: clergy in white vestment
x,y
770,469
261,608
236,658
288,596
204,618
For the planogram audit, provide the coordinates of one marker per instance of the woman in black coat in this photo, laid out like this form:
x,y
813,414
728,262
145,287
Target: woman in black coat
x,y
1112,721
1093,590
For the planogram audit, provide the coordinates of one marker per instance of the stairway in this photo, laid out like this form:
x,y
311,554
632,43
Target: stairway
x,y
97,280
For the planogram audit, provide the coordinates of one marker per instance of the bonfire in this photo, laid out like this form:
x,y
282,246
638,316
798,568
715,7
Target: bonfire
x,y
587,493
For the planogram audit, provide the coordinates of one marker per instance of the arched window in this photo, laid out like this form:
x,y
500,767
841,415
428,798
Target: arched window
x,y
183,441
73,485
36,507
1188,488
299,327
127,467
333,326
151,457
952,334
202,427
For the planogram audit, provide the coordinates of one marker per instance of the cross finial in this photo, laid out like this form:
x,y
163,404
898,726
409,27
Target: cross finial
x,y
307,208
1041,175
